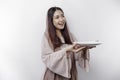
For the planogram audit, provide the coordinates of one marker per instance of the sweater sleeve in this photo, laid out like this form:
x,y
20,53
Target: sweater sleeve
x,y
56,61
83,56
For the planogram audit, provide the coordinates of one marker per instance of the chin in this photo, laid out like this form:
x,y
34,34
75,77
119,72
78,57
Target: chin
x,y
61,27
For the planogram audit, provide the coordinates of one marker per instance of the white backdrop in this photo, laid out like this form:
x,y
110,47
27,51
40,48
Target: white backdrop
x,y
22,23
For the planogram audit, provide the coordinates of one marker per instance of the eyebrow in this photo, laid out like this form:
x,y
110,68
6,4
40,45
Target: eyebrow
x,y
58,15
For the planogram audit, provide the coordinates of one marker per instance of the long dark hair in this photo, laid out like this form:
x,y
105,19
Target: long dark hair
x,y
52,30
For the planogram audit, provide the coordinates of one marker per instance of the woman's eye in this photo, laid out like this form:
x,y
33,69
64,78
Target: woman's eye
x,y
62,15
57,17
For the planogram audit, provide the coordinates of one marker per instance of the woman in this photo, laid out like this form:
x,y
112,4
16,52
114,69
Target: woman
x,y
59,53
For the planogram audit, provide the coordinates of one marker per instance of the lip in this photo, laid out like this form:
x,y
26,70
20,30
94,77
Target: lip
x,y
61,23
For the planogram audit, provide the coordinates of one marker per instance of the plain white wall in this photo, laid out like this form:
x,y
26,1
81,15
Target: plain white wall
x,y
22,23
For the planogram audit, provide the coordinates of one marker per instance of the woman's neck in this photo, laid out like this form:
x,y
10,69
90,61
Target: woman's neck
x,y
58,32
60,36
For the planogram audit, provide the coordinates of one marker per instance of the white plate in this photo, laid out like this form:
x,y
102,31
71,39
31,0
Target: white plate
x,y
89,43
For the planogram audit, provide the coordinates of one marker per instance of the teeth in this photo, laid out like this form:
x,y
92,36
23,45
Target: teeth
x,y
61,23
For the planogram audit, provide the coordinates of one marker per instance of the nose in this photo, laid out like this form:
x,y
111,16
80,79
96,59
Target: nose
x,y
61,19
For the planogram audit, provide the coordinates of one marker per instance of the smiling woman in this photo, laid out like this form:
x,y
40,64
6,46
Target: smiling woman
x,y
59,52
59,19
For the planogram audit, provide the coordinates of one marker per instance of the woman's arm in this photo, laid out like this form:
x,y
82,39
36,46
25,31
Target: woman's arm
x,y
56,61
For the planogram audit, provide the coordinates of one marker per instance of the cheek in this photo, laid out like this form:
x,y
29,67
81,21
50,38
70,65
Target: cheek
x,y
54,22
64,19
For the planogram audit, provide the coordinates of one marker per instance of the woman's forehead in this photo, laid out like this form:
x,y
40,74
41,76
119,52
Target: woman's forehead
x,y
58,12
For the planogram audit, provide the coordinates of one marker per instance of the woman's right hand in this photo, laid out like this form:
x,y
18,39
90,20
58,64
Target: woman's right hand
x,y
73,49
70,47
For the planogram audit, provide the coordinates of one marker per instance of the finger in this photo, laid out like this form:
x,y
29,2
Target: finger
x,y
74,44
79,49
92,47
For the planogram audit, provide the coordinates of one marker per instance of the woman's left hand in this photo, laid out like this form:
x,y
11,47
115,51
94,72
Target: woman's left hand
x,y
90,47
78,47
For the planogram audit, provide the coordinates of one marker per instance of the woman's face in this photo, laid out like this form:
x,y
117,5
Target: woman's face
x,y
59,20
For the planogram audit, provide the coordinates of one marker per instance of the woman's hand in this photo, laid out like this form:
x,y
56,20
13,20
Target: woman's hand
x,y
78,49
75,47
70,47
90,47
